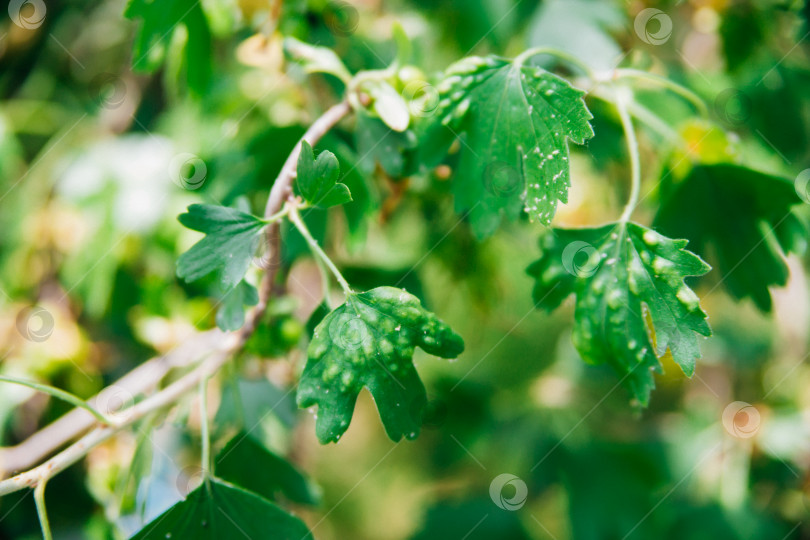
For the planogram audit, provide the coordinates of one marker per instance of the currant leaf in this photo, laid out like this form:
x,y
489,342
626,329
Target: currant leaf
x,y
621,274
231,239
369,342
218,510
515,122
318,178
752,233
231,312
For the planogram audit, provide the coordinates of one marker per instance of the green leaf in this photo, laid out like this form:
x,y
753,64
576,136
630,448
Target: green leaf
x,y
389,105
250,465
231,313
317,316
160,19
377,143
404,45
231,239
622,274
316,59
515,122
366,199
744,217
249,404
318,178
369,342
218,510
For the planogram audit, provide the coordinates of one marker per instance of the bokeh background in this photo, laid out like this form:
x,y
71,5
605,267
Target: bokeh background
x,y
99,112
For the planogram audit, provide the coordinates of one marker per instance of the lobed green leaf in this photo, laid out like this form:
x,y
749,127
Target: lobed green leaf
x,y
231,239
621,274
369,341
514,122
318,178
231,313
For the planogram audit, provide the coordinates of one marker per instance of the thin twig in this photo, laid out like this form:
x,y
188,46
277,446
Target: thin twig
x,y
58,393
295,217
42,512
141,380
204,435
632,149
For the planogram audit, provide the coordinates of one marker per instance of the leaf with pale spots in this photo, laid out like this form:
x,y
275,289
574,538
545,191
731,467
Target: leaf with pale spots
x,y
624,275
317,179
231,239
369,342
514,122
